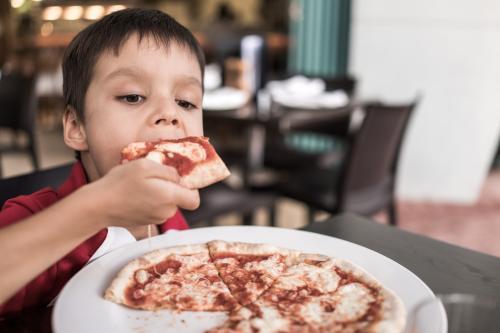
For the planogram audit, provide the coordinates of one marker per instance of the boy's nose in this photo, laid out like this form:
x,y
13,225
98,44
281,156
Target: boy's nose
x,y
165,115
167,121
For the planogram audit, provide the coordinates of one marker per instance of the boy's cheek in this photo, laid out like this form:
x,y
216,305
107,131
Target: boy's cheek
x,y
194,125
106,153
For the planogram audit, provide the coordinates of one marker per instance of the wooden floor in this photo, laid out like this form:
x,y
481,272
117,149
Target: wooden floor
x,y
475,227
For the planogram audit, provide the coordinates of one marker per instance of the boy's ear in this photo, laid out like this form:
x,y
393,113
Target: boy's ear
x,y
75,136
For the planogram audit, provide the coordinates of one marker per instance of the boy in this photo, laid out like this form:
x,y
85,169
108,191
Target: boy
x,y
135,75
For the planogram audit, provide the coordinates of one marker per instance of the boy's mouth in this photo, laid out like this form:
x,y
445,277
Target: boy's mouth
x,y
163,138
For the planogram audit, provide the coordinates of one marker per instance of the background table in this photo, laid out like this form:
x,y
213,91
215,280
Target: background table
x,y
445,268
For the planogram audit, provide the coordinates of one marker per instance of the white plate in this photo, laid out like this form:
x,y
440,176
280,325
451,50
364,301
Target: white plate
x,y
81,308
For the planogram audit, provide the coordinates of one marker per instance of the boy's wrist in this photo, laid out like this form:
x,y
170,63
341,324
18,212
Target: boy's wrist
x,y
93,206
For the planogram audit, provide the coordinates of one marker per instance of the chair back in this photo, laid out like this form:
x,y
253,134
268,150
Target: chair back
x,y
367,182
32,182
18,102
334,121
345,83
302,138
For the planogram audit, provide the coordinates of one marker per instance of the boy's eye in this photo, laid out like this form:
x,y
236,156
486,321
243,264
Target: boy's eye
x,y
131,99
185,104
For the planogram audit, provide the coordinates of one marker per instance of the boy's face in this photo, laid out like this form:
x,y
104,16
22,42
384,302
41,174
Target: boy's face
x,y
145,93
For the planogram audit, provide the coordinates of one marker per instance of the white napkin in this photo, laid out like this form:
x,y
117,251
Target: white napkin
x,y
333,99
225,98
304,93
116,237
296,86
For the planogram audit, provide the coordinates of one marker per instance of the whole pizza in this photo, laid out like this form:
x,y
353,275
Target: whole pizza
x,y
262,288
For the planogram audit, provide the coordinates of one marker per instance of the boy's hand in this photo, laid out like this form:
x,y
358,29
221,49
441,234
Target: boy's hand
x,y
141,192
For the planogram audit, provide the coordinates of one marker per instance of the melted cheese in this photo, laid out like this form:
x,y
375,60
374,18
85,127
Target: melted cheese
x,y
197,294
353,302
227,260
193,151
134,147
271,266
190,286
155,156
312,311
271,321
142,276
322,279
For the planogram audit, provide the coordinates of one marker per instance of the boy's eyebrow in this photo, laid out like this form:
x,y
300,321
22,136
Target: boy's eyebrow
x,y
127,71
124,71
192,80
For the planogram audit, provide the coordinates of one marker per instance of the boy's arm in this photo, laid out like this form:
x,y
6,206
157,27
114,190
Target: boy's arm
x,y
138,193
32,245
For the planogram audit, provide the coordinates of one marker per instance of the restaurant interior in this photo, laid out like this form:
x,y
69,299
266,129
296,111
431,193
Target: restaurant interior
x,y
364,135
317,107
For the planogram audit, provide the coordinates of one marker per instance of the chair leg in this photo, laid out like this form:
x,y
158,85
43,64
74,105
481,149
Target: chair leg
x,y
33,152
247,219
311,212
272,215
392,214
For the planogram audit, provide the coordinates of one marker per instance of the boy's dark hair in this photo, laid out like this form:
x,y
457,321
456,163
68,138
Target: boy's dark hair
x,y
109,34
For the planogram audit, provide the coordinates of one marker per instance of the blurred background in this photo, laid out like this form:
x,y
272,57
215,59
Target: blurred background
x,y
385,108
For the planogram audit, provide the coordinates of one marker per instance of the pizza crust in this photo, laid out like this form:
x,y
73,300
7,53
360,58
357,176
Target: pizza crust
x,y
116,291
393,310
205,173
218,246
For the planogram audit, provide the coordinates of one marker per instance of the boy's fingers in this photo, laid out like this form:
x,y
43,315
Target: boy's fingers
x,y
156,170
185,198
179,195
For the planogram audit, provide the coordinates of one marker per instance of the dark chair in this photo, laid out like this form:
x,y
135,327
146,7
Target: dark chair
x,y
345,83
303,137
364,181
18,107
231,140
32,182
220,199
303,146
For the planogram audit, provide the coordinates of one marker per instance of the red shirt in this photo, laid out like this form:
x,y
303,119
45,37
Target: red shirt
x,y
42,289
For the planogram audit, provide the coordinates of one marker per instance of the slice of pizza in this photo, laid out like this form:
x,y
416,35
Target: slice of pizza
x,y
297,286
249,269
177,278
321,294
194,158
